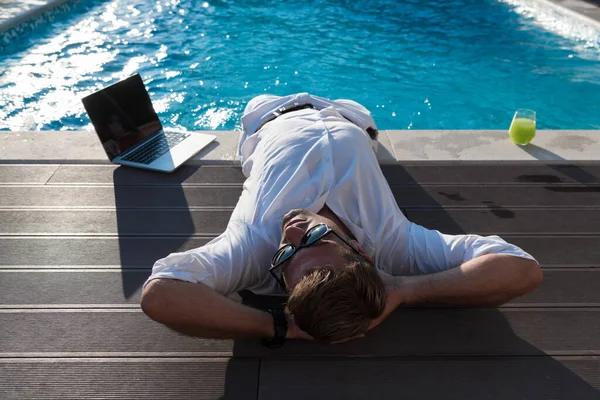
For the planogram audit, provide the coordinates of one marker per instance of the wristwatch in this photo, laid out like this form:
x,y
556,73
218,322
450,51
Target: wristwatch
x,y
281,326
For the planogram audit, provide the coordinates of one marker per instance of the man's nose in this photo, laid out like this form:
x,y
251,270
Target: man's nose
x,y
293,235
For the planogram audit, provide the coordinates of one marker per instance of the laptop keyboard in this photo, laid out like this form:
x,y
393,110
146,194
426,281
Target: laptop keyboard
x,y
155,148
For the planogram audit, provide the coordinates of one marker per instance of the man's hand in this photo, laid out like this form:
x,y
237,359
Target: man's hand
x,y
486,281
293,332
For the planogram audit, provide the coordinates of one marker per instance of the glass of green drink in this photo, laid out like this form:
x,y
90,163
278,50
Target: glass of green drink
x,y
522,128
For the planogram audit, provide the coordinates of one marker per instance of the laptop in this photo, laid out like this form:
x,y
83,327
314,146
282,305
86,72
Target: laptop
x,y
131,133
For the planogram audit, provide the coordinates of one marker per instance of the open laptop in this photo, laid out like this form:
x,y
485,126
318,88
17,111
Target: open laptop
x,y
131,132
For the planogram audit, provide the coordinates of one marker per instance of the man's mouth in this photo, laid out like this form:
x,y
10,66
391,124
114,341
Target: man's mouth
x,y
291,215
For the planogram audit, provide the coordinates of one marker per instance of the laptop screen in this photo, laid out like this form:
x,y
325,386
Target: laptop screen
x,y
122,115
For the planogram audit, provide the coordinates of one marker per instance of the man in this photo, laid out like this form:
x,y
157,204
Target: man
x,y
318,221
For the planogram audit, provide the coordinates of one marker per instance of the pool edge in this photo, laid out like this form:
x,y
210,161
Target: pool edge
x,y
29,14
585,12
561,146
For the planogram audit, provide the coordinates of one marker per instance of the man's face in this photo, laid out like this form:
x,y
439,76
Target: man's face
x,y
326,252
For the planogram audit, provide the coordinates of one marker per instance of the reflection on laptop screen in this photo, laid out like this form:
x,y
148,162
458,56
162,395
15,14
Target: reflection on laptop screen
x,y
122,115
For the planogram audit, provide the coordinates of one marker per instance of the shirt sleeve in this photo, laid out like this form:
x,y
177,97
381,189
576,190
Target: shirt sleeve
x,y
226,264
431,251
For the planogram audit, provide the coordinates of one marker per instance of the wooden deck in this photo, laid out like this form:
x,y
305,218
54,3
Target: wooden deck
x,y
77,242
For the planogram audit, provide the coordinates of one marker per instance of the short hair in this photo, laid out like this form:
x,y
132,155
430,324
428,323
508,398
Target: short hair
x,y
333,304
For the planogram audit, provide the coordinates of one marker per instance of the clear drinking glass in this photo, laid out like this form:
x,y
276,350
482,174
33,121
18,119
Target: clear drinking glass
x,y
522,128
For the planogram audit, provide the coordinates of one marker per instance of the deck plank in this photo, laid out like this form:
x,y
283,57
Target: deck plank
x,y
94,331
112,174
488,221
561,251
132,252
181,222
119,197
497,220
88,286
422,172
223,196
486,172
201,378
408,332
483,378
506,196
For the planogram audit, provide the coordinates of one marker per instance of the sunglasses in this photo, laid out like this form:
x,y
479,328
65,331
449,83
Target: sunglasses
x,y
312,236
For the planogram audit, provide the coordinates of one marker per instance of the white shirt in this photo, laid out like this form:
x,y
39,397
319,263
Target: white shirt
x,y
307,159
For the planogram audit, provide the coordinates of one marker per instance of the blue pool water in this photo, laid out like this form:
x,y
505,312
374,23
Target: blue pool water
x,y
416,64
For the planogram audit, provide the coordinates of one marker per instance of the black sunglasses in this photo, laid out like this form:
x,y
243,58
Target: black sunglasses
x,y
312,236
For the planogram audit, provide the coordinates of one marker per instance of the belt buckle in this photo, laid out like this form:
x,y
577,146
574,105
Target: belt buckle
x,y
277,113
282,109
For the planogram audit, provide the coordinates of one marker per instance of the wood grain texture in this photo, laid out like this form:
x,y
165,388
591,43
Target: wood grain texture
x,y
488,221
495,219
112,174
495,196
489,172
144,251
448,332
223,196
54,286
203,378
406,172
551,210
561,251
89,331
481,378
123,222
119,196
131,252
408,332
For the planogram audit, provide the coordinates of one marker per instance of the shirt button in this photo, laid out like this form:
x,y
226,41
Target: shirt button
x,y
307,200
326,158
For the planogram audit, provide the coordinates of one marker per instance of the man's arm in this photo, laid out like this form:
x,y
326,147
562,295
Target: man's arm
x,y
195,309
186,291
485,281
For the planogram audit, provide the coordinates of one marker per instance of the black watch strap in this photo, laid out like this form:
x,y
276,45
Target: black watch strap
x,y
281,326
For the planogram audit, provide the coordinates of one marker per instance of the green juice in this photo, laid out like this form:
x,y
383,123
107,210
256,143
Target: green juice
x,y
522,130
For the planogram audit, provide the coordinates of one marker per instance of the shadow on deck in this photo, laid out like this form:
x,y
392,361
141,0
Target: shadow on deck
x,y
77,243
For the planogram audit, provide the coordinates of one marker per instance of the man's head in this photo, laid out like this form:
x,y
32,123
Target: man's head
x,y
335,291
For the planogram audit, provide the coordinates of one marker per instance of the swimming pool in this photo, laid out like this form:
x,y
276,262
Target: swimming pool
x,y
416,64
